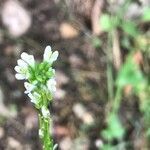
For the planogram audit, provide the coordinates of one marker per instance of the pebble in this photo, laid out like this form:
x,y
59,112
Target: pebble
x,y
59,94
75,61
15,17
81,112
66,144
67,31
13,144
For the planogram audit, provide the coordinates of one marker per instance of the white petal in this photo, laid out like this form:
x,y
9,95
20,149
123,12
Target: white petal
x,y
45,112
20,76
54,89
25,56
33,99
47,53
55,146
28,58
41,133
51,84
18,69
22,63
31,60
53,57
29,87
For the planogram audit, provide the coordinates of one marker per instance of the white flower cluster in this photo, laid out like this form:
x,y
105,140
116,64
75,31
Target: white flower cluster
x,y
23,63
40,76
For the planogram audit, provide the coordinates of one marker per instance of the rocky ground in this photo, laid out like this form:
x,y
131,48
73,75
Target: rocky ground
x,y
80,101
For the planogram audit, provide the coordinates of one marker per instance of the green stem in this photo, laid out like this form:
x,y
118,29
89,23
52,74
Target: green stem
x,y
110,82
117,100
46,137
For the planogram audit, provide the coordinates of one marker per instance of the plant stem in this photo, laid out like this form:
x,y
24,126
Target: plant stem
x,y
110,82
109,69
45,135
117,100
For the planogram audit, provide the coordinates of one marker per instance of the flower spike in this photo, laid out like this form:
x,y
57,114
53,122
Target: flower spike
x,y
40,87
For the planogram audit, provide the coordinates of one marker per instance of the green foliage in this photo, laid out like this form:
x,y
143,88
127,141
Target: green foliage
x,y
146,15
133,39
108,147
108,23
114,129
130,74
130,28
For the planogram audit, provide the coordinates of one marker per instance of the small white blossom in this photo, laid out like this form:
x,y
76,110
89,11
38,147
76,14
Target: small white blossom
x,y
47,53
51,84
53,57
34,97
22,63
21,70
18,69
49,56
29,87
45,112
24,56
28,58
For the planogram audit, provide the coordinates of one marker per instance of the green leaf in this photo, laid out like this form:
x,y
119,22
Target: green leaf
x,y
130,74
114,130
115,126
105,22
129,28
146,14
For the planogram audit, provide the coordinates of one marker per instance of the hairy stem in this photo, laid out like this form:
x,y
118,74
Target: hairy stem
x,y
45,135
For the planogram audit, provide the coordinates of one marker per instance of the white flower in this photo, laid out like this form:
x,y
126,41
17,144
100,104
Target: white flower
x,y
47,53
22,70
22,63
45,112
34,97
28,58
51,84
20,76
18,69
49,56
53,57
29,87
